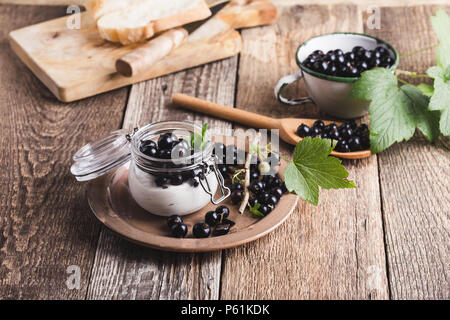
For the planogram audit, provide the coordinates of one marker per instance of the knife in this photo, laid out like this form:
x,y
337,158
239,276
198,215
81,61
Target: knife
x,y
157,48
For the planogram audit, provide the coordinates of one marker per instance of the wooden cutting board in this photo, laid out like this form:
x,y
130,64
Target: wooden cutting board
x,y
75,64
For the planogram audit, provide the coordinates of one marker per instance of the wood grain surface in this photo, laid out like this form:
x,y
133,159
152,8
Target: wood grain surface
x,y
331,251
388,238
126,271
45,222
388,3
414,179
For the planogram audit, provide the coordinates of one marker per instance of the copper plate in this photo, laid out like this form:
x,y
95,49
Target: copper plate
x,y
112,203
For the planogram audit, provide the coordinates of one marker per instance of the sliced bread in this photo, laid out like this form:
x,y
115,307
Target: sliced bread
x,y
129,21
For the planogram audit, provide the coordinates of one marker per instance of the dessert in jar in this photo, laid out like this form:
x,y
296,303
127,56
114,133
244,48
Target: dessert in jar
x,y
167,174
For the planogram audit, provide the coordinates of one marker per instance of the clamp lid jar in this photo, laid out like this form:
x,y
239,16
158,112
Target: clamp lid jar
x,y
166,175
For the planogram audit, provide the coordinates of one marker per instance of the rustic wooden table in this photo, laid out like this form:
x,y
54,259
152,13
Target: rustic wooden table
x,y
386,239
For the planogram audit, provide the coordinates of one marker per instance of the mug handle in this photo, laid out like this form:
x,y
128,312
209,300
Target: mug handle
x,y
283,83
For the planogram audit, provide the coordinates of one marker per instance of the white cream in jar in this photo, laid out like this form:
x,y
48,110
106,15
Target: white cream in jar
x,y
180,200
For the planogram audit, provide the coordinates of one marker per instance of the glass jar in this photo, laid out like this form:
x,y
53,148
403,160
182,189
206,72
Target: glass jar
x,y
178,185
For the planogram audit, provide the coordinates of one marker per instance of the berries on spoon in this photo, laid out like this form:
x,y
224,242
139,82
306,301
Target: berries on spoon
x,y
303,131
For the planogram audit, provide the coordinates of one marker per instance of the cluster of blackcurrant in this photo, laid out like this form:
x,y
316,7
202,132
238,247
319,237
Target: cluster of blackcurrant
x,y
349,64
169,146
265,184
349,136
217,219
266,193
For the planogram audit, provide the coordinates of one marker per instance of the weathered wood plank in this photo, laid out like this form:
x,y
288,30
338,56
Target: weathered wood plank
x,y
414,179
126,271
45,221
334,250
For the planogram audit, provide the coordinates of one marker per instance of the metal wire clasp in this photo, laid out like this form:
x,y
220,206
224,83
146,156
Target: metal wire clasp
x,y
129,136
223,189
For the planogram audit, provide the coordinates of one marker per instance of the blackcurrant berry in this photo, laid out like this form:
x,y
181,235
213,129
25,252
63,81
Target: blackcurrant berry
x,y
173,220
201,230
212,218
276,182
318,124
303,131
236,196
318,52
166,140
263,197
237,186
254,175
277,192
315,132
223,212
323,67
164,153
362,66
329,128
352,124
256,186
354,143
176,179
358,49
179,230
265,210
161,181
272,200
334,135
149,151
346,133
354,72
253,202
350,56
221,229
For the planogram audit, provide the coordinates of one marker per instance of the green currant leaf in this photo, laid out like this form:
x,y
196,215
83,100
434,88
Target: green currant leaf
x,y
426,89
255,210
441,26
313,167
394,112
440,100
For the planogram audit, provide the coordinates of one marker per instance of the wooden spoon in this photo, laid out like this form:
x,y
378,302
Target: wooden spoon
x,y
287,126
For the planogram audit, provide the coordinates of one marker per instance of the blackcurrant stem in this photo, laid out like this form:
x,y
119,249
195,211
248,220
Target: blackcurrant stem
x,y
403,81
418,51
411,74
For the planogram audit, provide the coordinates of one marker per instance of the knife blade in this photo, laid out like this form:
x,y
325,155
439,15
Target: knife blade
x,y
160,46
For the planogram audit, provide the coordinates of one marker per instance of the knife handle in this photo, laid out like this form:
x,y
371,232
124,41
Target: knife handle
x,y
157,48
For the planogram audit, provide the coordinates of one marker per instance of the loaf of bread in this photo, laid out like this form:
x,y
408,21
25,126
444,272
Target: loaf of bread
x,y
129,21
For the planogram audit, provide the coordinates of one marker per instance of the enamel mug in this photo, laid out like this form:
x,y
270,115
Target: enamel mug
x,y
332,93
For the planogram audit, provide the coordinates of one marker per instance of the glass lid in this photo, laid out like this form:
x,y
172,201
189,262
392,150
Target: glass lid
x,y
100,157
